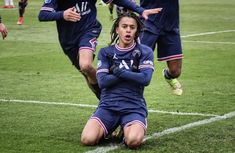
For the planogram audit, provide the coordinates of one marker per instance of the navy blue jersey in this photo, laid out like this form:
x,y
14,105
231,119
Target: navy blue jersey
x,y
167,19
123,92
70,32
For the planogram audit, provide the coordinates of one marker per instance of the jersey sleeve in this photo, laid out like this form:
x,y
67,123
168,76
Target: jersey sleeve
x,y
48,11
147,59
127,4
104,78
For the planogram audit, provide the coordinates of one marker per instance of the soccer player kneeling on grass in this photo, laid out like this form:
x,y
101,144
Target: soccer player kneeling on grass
x,y
123,71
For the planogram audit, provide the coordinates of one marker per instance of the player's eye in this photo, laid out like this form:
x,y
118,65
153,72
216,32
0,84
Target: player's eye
x,y
133,27
124,26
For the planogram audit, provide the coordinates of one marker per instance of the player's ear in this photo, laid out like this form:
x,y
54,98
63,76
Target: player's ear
x,y
117,30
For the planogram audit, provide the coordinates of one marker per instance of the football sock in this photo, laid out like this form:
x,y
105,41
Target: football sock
x,y
7,2
11,2
96,90
22,6
167,75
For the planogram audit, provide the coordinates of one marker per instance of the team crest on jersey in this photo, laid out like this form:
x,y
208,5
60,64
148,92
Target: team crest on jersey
x,y
47,1
136,53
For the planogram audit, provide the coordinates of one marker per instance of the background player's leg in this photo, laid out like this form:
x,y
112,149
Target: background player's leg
x,y
22,4
111,6
173,72
87,69
7,3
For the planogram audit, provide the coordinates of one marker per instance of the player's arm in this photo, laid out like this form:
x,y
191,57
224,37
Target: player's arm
x,y
104,77
3,29
48,12
143,77
106,80
134,7
145,66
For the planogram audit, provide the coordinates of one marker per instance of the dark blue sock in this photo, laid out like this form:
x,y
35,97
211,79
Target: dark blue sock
x,y
167,75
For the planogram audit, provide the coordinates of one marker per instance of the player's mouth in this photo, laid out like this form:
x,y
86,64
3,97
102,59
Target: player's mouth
x,y
128,37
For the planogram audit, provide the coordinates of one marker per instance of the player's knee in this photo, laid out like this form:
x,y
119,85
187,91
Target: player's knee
x,y
133,141
86,68
175,73
88,140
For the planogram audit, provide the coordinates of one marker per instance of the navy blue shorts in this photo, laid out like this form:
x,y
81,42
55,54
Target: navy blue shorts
x,y
168,44
87,40
110,120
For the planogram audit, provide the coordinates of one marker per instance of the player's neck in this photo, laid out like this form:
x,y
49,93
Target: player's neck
x,y
125,45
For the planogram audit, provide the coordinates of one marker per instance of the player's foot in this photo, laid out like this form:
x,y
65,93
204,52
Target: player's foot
x,y
11,6
175,85
6,6
20,21
118,134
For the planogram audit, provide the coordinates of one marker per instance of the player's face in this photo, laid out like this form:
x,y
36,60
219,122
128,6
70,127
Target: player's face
x,y
126,30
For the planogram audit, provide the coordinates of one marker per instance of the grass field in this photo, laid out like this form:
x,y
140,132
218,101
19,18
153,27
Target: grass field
x,y
42,95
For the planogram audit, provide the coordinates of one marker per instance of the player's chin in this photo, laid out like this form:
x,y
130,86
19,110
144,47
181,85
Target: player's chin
x,y
128,40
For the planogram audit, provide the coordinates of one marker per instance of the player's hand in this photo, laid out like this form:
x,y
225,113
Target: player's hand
x,y
113,69
111,64
3,30
71,15
117,70
136,60
148,12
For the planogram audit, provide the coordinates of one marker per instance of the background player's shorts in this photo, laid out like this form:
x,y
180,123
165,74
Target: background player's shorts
x,y
87,40
168,44
110,120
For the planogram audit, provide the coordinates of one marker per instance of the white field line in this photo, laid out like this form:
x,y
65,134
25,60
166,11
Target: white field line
x,y
48,103
168,131
207,33
210,42
94,106
180,113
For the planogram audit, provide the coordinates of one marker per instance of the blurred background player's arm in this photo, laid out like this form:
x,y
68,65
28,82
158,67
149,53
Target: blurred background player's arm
x,y
50,14
3,29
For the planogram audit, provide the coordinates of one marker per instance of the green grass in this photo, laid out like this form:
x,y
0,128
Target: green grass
x,y
33,67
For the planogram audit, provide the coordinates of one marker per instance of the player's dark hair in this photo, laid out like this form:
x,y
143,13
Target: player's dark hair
x,y
114,35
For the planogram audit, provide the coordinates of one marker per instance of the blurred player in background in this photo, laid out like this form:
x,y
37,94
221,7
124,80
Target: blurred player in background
x,y
9,4
22,4
119,9
3,29
78,30
124,69
163,30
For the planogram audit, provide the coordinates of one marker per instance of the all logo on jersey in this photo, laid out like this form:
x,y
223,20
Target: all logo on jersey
x,y
124,64
83,9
